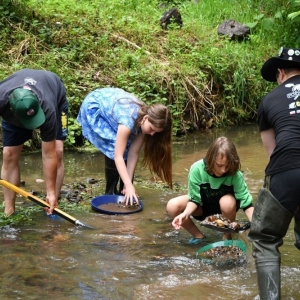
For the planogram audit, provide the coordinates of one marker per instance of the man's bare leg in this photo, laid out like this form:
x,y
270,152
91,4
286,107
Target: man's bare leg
x,y
10,172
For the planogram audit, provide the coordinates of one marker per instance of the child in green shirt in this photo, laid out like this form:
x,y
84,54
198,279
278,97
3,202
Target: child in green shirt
x,y
215,186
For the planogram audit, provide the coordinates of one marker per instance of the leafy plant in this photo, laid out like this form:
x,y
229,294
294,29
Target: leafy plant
x,y
295,14
205,79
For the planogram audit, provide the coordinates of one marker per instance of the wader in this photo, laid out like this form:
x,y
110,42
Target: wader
x,y
270,222
112,178
297,229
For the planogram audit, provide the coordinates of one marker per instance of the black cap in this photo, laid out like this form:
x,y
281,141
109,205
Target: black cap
x,y
287,58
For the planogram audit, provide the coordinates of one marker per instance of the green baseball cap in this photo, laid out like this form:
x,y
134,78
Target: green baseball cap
x,y
26,107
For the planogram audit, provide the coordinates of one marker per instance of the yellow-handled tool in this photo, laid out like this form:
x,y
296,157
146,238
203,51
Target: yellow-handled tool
x,y
41,202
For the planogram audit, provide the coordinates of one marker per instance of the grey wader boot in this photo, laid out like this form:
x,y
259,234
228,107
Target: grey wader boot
x,y
297,229
112,178
270,222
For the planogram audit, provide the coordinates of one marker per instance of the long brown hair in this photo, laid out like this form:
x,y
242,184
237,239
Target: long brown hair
x,y
158,147
222,146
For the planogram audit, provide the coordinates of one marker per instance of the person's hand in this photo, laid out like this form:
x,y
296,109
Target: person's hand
x,y
178,221
53,204
130,195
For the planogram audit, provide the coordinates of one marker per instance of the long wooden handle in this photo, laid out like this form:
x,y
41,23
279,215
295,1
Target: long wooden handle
x,y
40,202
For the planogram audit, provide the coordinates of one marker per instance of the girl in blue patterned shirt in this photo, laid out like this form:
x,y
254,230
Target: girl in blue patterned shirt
x,y
119,124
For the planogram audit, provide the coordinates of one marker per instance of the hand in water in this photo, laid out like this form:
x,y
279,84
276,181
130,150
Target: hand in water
x,y
130,196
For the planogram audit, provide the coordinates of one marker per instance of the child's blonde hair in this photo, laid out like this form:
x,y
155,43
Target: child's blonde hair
x,y
222,146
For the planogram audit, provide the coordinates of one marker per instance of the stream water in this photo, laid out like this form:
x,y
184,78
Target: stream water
x,y
135,256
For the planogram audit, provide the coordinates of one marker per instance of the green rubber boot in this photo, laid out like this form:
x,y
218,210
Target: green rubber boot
x,y
270,222
297,229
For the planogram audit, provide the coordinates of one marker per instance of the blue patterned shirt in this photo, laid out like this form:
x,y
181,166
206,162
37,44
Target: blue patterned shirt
x,y
100,114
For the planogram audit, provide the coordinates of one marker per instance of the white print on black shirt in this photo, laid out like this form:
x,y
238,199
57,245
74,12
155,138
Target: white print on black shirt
x,y
294,94
30,81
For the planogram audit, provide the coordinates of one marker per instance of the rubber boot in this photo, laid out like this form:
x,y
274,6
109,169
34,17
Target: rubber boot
x,y
112,177
270,222
297,229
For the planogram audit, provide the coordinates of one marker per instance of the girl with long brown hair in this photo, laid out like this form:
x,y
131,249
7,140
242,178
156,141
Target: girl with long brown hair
x,y
119,124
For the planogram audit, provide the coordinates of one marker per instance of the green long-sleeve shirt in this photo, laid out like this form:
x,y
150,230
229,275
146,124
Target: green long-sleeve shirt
x,y
203,187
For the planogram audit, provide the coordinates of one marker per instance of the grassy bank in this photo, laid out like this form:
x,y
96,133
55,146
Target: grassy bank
x,y
206,79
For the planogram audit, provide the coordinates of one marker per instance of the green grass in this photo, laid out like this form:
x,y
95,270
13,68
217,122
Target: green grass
x,y
205,79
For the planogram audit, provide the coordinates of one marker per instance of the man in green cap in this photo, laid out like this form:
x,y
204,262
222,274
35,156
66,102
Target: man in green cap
x,y
278,201
33,99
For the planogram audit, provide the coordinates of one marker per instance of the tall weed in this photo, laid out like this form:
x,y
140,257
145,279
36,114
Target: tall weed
x,y
206,79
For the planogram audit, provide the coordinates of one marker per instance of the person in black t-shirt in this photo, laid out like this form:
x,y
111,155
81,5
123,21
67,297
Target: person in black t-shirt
x,y
278,201
33,99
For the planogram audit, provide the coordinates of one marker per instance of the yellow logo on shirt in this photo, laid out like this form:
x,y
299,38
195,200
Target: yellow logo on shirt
x,y
64,120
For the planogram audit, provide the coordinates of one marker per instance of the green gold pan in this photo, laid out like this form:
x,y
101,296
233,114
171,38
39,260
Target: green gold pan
x,y
41,202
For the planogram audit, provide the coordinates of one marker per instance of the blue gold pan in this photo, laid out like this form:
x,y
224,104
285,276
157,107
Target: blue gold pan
x,y
113,205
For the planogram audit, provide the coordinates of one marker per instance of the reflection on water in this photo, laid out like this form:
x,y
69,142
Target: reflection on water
x,y
136,256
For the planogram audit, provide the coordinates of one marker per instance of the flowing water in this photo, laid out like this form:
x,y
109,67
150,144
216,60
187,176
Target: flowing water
x,y
135,256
